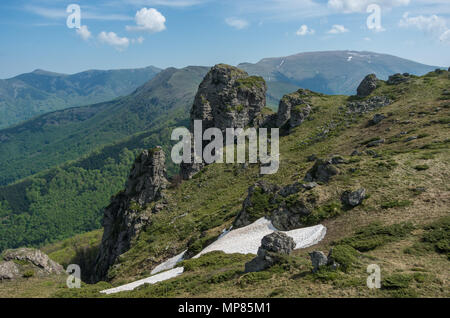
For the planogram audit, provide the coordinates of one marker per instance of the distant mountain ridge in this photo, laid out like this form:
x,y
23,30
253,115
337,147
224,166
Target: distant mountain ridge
x,y
328,72
27,95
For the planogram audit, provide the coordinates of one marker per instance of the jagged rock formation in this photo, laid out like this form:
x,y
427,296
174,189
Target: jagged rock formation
x,y
272,247
367,86
294,108
226,98
27,262
127,214
319,260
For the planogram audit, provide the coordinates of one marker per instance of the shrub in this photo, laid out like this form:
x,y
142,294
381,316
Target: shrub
x,y
345,256
375,235
421,167
396,281
28,273
254,277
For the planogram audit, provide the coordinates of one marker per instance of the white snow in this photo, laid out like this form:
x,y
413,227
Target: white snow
x,y
349,58
244,240
169,264
149,280
247,239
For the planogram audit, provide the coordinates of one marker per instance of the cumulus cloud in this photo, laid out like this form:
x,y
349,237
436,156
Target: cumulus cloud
x,y
337,28
350,6
149,20
304,30
114,40
84,32
237,23
432,24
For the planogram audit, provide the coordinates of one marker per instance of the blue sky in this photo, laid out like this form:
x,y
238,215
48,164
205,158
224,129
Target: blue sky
x,y
137,33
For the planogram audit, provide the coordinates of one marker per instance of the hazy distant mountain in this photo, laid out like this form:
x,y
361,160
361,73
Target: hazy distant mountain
x,y
329,72
38,92
57,137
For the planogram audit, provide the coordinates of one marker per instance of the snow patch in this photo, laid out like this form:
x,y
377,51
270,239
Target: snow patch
x,y
149,280
169,264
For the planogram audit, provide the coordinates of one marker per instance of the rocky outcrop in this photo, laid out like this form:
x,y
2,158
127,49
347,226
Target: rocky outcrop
x,y
227,98
294,108
398,78
127,214
367,86
272,247
353,198
285,207
26,262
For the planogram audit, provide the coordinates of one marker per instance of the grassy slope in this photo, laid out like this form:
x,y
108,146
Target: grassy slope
x,y
390,180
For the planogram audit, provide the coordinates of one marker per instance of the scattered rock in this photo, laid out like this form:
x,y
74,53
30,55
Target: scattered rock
x,y
309,185
337,160
356,153
367,105
311,158
322,171
272,246
353,198
375,143
367,86
376,119
411,138
318,259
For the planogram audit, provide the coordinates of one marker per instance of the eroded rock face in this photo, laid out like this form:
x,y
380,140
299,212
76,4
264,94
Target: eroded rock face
x,y
9,270
294,108
127,214
272,246
227,98
398,78
370,104
367,86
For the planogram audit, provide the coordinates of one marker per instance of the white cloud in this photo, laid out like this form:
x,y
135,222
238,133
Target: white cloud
x,y
139,40
337,28
432,24
150,20
304,30
52,13
350,6
114,40
237,23
84,32
166,3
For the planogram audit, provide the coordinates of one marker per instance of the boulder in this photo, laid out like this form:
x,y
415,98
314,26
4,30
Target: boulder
x,y
376,119
322,171
367,86
375,143
367,105
353,198
318,259
272,246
